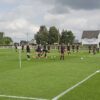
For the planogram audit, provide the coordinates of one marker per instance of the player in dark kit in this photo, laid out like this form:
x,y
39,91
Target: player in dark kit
x,y
39,50
45,51
98,48
62,51
28,52
77,48
94,49
48,48
90,48
68,49
22,48
73,47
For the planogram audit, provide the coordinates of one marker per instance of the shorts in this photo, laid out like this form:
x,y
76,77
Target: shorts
x,y
45,50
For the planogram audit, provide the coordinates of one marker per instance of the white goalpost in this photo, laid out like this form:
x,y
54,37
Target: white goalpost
x,y
20,59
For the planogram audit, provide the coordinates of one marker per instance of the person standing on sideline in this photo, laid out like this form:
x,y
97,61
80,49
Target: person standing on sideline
x,y
68,49
62,51
28,51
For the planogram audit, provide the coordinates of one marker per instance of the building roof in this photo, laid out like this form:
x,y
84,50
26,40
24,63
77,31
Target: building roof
x,y
90,34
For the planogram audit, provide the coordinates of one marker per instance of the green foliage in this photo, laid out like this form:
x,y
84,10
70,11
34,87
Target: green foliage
x,y
4,40
7,40
1,35
1,41
53,35
42,36
67,37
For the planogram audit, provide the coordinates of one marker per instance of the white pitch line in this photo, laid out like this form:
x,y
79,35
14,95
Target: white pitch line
x,y
71,88
20,97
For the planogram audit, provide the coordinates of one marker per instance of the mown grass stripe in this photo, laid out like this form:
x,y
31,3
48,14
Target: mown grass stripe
x,y
76,85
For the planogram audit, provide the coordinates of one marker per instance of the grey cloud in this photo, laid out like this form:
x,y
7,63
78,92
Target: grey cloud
x,y
62,6
76,4
80,4
59,10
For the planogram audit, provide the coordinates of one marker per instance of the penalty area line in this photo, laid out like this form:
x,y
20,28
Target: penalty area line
x,y
21,97
76,85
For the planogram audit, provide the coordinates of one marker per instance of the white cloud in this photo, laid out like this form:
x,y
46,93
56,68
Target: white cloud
x,y
17,17
17,24
18,28
77,21
8,1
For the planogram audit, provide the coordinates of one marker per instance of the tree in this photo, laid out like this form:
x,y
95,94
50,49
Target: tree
x,y
1,35
7,40
53,35
4,40
41,37
67,37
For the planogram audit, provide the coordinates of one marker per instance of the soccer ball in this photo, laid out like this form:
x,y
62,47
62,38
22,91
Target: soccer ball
x,y
82,58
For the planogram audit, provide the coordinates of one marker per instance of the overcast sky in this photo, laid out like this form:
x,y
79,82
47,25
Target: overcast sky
x,y
17,17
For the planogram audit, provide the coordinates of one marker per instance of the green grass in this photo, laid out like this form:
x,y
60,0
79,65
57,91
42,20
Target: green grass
x,y
47,78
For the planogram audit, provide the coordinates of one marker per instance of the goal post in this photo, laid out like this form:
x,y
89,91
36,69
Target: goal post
x,y
20,60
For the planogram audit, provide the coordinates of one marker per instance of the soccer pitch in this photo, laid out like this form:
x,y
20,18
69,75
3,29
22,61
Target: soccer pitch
x,y
45,79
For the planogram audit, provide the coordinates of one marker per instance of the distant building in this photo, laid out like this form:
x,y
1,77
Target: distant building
x,y
91,37
22,42
32,42
16,44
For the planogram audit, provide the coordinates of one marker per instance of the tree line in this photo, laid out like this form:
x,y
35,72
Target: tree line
x,y
4,40
45,36
51,36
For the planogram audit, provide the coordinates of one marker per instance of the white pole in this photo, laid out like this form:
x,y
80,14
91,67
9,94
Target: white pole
x,y
20,62
27,37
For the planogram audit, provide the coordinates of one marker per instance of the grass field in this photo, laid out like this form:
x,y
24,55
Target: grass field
x,y
48,78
